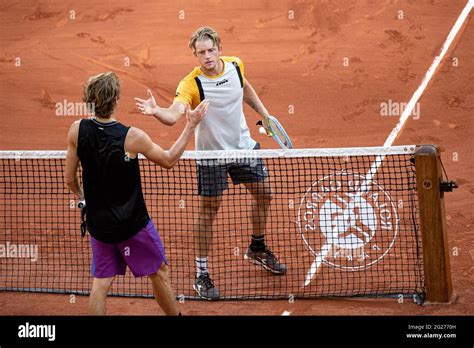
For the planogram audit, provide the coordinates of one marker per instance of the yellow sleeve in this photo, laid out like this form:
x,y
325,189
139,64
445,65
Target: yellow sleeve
x,y
240,63
187,91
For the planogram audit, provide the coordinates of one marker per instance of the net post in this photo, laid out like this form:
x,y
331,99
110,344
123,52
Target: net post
x,y
437,267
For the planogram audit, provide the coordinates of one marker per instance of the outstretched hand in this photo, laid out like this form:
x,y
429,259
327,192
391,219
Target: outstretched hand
x,y
148,106
195,116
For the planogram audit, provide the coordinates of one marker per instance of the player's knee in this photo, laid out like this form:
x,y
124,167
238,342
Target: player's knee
x,y
210,208
162,274
268,196
103,284
264,197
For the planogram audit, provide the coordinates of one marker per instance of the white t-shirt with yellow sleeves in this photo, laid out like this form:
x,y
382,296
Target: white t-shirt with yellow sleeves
x,y
224,127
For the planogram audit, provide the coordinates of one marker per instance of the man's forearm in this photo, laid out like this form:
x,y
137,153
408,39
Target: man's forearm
x,y
166,116
252,99
76,188
176,151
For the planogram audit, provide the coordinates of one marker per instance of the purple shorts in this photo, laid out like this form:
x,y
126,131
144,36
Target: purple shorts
x,y
143,253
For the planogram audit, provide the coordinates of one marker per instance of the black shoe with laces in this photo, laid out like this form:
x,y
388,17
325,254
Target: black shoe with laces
x,y
205,287
266,259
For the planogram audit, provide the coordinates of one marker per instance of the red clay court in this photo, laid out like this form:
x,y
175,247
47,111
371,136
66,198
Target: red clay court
x,y
323,67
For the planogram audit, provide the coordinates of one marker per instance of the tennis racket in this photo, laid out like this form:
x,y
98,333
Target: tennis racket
x,y
277,132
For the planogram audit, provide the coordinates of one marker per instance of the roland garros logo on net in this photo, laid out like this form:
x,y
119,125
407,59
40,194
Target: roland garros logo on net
x,y
346,222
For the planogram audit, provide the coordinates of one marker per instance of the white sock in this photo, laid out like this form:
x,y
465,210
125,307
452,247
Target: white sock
x,y
201,265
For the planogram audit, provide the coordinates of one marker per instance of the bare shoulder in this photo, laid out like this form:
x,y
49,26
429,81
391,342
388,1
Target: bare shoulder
x,y
137,140
74,131
136,134
75,125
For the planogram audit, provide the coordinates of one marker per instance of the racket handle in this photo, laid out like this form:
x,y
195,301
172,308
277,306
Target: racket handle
x,y
262,130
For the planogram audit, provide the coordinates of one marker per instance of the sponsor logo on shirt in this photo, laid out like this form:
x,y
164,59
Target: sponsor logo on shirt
x,y
222,82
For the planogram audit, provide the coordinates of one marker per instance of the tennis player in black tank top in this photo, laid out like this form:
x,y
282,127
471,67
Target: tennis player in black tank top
x,y
122,233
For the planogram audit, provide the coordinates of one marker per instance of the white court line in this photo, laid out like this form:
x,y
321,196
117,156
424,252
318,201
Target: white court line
x,y
320,258
417,95
429,74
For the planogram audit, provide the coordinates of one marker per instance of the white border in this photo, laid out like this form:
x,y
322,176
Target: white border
x,y
325,152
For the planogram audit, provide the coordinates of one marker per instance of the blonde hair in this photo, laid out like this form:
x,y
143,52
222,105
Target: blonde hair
x,y
101,93
204,33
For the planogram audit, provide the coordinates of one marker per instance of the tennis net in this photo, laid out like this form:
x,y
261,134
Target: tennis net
x,y
341,228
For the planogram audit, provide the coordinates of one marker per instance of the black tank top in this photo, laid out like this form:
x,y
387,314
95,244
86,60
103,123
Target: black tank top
x,y
116,210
